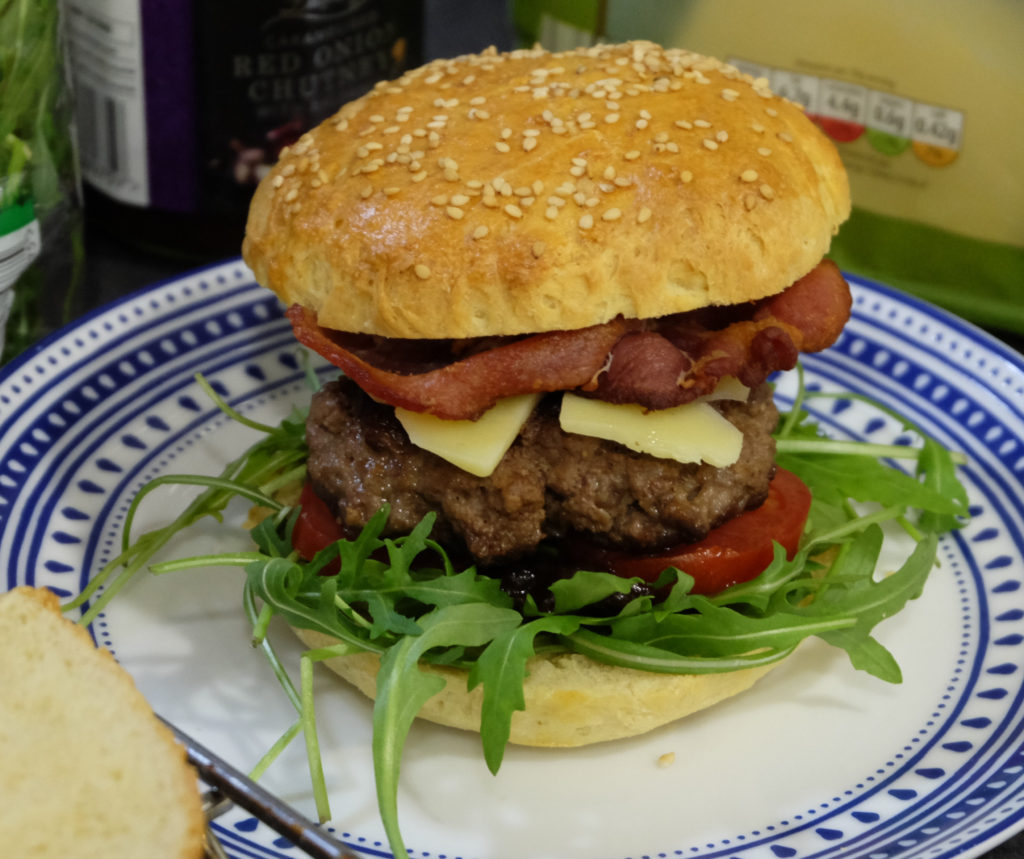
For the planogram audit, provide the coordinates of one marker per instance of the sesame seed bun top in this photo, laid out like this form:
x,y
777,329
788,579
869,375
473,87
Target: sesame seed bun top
x,y
533,191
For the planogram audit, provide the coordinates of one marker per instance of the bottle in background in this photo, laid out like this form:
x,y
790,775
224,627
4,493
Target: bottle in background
x,y
183,105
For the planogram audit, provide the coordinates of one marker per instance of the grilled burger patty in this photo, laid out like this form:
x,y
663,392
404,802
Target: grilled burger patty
x,y
549,484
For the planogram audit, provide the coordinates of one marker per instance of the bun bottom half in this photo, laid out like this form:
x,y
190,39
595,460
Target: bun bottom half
x,y
571,700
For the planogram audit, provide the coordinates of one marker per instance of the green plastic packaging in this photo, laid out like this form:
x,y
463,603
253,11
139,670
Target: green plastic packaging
x,y
41,250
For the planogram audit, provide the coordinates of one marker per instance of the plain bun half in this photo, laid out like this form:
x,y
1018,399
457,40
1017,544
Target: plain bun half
x,y
523,192
571,700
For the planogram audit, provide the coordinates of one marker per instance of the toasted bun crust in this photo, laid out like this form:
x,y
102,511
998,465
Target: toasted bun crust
x,y
525,192
570,700
91,771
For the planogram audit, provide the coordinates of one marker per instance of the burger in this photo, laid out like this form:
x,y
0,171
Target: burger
x,y
557,287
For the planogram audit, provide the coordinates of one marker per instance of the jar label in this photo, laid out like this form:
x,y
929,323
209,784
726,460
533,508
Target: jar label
x,y
183,105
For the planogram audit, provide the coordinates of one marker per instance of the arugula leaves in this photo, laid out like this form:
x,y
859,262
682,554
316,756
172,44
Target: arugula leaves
x,y
402,599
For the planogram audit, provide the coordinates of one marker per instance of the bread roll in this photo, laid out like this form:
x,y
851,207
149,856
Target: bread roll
x,y
571,700
88,771
523,192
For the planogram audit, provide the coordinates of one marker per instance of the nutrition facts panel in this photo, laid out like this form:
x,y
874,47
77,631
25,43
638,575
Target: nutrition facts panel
x,y
848,111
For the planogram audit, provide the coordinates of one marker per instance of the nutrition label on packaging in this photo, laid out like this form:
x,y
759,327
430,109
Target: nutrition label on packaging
x,y
847,111
105,43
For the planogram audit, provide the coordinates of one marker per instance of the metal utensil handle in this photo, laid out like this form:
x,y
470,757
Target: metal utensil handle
x,y
243,791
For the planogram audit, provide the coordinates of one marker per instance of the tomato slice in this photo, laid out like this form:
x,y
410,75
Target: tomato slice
x,y
734,552
315,526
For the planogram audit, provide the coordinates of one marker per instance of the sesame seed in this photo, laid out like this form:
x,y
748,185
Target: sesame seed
x,y
771,111
422,271
730,94
291,195
502,146
538,248
702,123
278,181
632,155
643,216
749,201
454,212
767,192
682,123
391,190
611,118
722,136
641,124
513,210
749,175
529,144
611,215
480,232
288,170
577,171
366,192
686,176
551,213
459,199
710,144
419,176
764,150
784,137
586,222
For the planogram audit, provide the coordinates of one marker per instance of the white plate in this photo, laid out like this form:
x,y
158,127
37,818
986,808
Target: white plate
x,y
817,760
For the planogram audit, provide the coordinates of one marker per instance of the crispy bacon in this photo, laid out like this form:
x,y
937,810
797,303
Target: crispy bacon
x,y
656,363
466,388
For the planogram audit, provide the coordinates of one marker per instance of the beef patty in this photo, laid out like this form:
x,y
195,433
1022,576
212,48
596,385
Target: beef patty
x,y
549,484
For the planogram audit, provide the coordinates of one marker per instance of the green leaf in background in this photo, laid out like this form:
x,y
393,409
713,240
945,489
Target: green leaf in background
x,y
34,115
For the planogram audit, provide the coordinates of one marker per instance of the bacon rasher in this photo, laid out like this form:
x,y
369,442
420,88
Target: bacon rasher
x,y
655,363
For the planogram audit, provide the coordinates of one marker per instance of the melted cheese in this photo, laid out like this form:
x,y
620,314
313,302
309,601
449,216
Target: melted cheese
x,y
474,446
691,433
